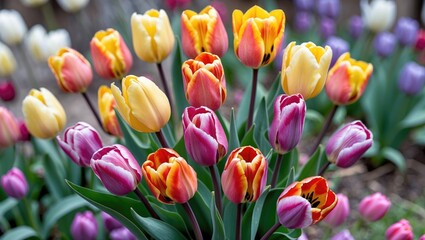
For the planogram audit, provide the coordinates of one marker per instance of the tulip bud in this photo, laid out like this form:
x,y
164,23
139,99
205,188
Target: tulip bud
x,y
348,144
111,57
258,34
203,32
14,183
288,122
25,134
347,80
356,26
33,3
374,207
339,46
327,27
304,69
343,235
201,127
406,31
400,230
245,174
328,8
422,237
13,27
412,78
340,213
122,234
169,177
7,61
302,24
142,104
420,40
80,142
379,15
110,222
9,128
43,113
116,168
72,6
71,69
204,81
304,5
106,104
153,37
384,44
84,226
304,203
7,91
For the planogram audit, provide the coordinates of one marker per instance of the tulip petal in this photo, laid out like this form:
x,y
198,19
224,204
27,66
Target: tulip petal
x,y
294,212
116,179
205,155
204,90
185,176
250,49
234,181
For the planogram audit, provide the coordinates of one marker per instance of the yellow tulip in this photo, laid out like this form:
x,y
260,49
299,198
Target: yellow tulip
x,y
44,115
7,61
106,104
142,104
304,69
153,37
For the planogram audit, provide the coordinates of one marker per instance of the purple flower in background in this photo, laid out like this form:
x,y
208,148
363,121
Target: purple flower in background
x,y
303,21
412,78
110,222
343,235
374,207
7,91
304,5
84,226
406,31
356,26
338,46
122,234
328,8
384,44
327,27
14,183
340,213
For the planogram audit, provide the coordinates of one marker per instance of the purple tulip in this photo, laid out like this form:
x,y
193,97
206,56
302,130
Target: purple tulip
x,y
303,21
288,122
80,142
338,46
327,27
7,91
348,144
117,168
412,78
400,230
384,44
84,226
14,183
340,213
328,8
304,5
204,137
374,207
294,212
406,31
110,222
356,26
343,235
122,234
25,135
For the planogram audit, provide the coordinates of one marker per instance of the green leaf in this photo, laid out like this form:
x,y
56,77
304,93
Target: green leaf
x,y
54,178
416,116
248,139
395,157
262,127
60,209
274,91
117,207
18,233
233,135
244,106
171,217
312,167
157,228
7,157
268,214
290,163
218,227
286,234
313,123
6,205
256,215
178,88
229,218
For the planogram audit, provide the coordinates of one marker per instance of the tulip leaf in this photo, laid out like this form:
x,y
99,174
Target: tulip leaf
x,y
274,91
256,214
313,123
18,233
233,132
170,217
312,167
268,214
249,139
229,218
178,88
218,227
262,126
116,206
288,166
286,234
158,229
416,116
6,205
54,178
395,157
60,209
7,157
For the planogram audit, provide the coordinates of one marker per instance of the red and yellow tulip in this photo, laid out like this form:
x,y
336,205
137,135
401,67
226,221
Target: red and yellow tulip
x,y
106,104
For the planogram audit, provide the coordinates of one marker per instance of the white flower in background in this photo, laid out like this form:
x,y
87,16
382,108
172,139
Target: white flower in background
x,y
7,61
42,45
13,27
379,15
72,5
33,3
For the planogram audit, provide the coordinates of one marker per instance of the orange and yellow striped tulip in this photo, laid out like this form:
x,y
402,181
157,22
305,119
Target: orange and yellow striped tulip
x,y
106,104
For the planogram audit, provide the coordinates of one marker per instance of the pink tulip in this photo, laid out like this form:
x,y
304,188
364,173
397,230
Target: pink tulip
x,y
400,230
84,226
340,213
14,183
374,207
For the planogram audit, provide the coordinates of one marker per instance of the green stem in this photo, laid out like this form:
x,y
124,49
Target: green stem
x,y
18,216
146,203
164,83
214,174
323,169
93,110
238,222
31,217
324,130
252,100
162,139
49,16
271,231
276,170
195,225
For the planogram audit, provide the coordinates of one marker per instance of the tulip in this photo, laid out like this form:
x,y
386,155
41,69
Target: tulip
x,y
356,26
142,104
422,237
7,61
14,183
13,27
328,8
374,207
122,234
169,177
7,91
343,235
80,142
304,69
348,144
304,5
117,169
72,6
304,203
9,128
33,3
412,78
72,70
400,230
204,81
110,222
245,174
379,15
24,133
84,226
327,27
288,122
347,80
111,57
338,46
44,115
302,24
153,37
174,4
340,213
106,104
406,31
420,40
203,32
201,127
384,44
258,34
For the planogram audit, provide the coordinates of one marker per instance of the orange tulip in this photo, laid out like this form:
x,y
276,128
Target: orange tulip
x,y
106,104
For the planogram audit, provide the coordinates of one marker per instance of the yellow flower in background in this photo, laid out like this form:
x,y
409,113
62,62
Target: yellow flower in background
x,y
13,27
106,104
347,80
72,6
142,104
153,37
44,115
7,61
304,69
258,35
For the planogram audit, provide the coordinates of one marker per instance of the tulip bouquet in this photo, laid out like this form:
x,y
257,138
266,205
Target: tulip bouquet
x,y
177,164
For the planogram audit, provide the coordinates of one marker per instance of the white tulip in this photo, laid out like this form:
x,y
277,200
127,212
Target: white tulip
x,y
72,5
7,61
13,27
379,15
